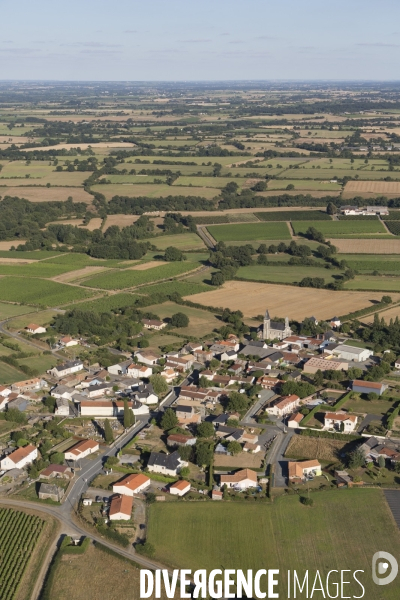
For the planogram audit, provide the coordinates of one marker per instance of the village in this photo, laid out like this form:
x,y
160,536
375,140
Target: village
x,y
216,420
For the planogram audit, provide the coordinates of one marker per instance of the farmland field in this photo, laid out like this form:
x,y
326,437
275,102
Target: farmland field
x,y
339,228
282,535
107,303
366,282
377,187
303,184
12,310
201,322
249,232
9,374
184,241
305,447
253,298
161,190
37,291
298,215
363,246
371,262
129,278
44,194
277,274
183,288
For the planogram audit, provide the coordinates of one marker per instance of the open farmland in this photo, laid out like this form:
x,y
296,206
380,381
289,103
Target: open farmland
x,y
376,246
128,278
281,300
38,292
201,322
371,262
45,194
277,274
293,215
339,228
186,241
107,303
282,534
370,282
249,231
375,187
161,190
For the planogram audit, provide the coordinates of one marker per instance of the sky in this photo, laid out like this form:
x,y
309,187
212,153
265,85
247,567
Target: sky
x,y
180,40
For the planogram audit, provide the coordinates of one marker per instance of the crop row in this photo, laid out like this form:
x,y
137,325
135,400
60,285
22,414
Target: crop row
x,y
394,227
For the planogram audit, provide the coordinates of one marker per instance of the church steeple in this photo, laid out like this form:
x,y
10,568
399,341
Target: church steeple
x,y
267,315
267,325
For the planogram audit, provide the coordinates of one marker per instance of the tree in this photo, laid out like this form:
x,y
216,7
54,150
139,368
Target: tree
x,y
50,403
185,452
300,388
372,396
111,462
173,254
144,343
262,259
290,186
204,453
217,278
184,472
145,549
234,448
57,458
260,186
214,363
203,382
179,320
159,384
331,209
386,299
237,402
381,461
108,432
319,378
169,419
205,429
356,459
127,422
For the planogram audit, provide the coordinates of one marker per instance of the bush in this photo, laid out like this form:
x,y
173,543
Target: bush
x,y
306,501
145,549
179,320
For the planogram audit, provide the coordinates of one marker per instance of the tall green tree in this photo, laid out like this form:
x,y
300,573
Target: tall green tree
x,y
169,419
108,432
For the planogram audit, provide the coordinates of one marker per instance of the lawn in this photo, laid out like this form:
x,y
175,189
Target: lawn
x,y
378,283
283,274
12,310
9,374
184,241
341,531
249,231
130,278
41,363
373,407
201,322
303,184
43,317
39,291
340,228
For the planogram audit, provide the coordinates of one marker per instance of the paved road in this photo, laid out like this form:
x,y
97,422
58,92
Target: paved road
x,y
276,456
29,341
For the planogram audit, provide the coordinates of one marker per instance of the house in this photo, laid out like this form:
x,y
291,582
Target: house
x,y
35,329
62,391
115,408
187,414
71,366
4,391
294,420
56,471
241,480
228,355
315,364
120,508
203,356
153,324
138,371
284,405
167,464
193,347
20,403
28,385
180,363
180,488
119,368
131,484
98,390
177,439
47,490
62,407
305,468
68,341
146,357
254,448
268,383
251,438
346,352
145,394
340,421
335,322
368,387
397,363
87,501
216,495
19,458
81,450
169,375
236,369
274,329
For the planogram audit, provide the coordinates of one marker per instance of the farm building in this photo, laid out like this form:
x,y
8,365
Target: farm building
x,y
368,387
167,464
294,420
346,352
19,458
56,471
131,484
71,366
284,405
104,408
49,491
120,508
180,488
303,469
241,480
340,422
153,324
315,364
81,450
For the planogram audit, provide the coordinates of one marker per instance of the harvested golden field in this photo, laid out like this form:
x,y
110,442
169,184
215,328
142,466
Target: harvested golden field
x,y
375,187
121,220
8,245
79,274
244,460
16,261
392,313
157,190
148,265
44,194
284,300
301,446
92,145
367,246
94,224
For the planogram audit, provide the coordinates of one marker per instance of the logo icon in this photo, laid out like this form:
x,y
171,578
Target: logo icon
x,y
381,561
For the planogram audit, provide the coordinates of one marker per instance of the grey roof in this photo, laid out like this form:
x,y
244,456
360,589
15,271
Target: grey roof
x,y
221,419
256,344
49,488
277,325
169,461
62,389
267,314
183,408
62,402
68,365
255,351
99,386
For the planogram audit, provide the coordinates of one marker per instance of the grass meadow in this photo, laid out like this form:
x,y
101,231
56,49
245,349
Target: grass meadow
x,y
249,231
39,292
341,531
341,228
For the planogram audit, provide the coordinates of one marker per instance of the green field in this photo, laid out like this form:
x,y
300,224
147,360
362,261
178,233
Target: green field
x,y
33,255
303,184
342,530
39,291
249,231
293,215
183,288
13,310
9,374
184,241
107,303
378,283
41,363
37,269
130,278
211,182
373,262
201,322
341,228
289,274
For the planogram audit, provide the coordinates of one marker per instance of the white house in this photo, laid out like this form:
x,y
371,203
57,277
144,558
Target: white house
x,y
170,374
71,366
340,421
146,357
284,405
145,394
29,385
81,450
33,328
300,470
62,391
353,353
180,488
68,341
62,407
131,484
120,508
294,420
139,371
153,324
19,458
167,464
241,480
106,408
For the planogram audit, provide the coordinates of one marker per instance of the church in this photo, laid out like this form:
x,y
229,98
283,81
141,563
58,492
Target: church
x,y
272,330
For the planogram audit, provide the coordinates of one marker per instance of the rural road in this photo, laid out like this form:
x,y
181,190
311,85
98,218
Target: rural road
x,y
28,341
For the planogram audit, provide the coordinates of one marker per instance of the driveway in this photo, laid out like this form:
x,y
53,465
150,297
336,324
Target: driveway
x,y
367,420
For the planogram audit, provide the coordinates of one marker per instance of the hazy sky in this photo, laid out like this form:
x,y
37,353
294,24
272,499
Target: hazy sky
x,y
204,39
